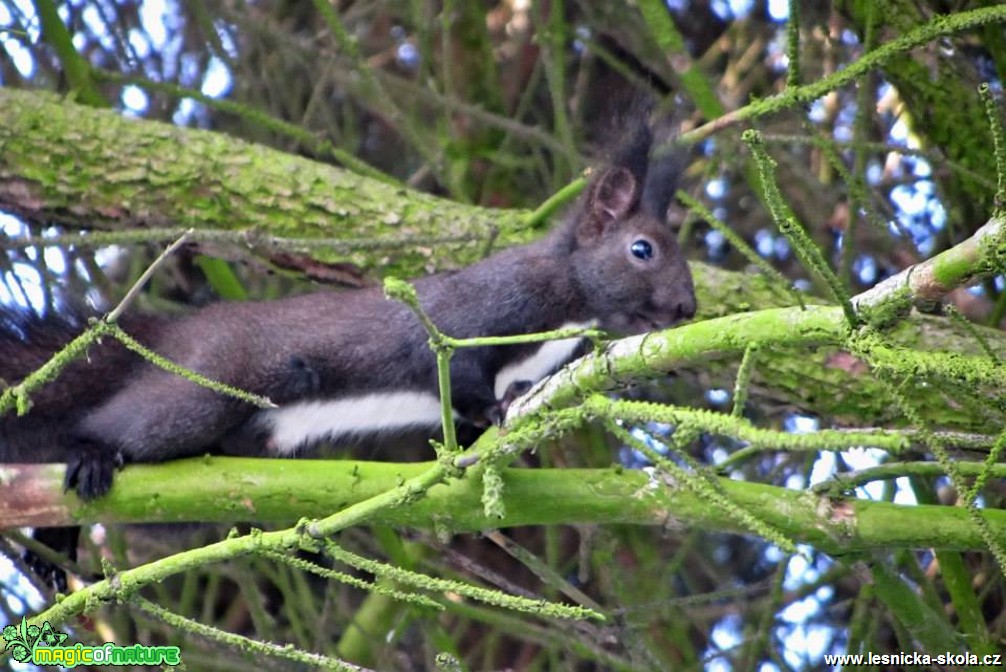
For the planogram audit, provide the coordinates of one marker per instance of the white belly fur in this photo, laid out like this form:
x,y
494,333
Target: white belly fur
x,y
546,359
307,422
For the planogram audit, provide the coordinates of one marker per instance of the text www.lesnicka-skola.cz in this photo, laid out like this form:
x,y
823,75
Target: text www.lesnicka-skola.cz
x,y
914,658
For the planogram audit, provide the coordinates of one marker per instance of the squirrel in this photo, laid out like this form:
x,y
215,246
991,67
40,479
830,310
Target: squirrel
x,y
340,364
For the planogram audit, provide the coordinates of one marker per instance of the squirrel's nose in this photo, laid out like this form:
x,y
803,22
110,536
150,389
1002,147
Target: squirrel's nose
x,y
686,308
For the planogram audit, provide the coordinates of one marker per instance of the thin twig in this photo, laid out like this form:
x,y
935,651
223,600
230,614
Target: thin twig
x,y
114,314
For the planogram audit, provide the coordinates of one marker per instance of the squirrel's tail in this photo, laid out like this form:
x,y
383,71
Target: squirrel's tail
x,y
28,341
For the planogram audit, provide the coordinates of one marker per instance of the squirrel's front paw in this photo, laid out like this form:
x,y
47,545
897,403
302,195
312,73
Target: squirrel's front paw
x,y
497,412
90,469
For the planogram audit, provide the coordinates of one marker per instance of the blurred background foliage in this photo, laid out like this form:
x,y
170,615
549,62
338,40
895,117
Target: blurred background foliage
x,y
502,104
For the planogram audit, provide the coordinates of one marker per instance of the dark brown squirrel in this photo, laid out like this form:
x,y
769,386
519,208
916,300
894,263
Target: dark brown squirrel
x,y
340,364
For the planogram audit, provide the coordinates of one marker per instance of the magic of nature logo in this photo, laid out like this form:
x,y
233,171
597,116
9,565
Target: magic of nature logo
x,y
42,645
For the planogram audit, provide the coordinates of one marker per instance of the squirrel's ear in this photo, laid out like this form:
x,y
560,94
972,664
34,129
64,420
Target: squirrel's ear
x,y
612,196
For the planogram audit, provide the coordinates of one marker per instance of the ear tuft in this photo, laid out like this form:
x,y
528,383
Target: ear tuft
x,y
667,164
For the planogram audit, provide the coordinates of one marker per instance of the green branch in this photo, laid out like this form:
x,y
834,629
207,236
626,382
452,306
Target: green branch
x,y
775,277
849,481
992,111
228,490
75,67
980,256
250,647
811,256
640,357
400,290
939,26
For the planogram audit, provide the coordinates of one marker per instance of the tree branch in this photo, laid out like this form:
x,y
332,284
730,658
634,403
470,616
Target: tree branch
x,y
53,153
228,490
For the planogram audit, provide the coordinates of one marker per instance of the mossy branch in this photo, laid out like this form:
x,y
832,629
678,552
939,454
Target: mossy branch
x,y
164,363
793,45
792,96
252,647
373,587
228,490
154,175
318,146
788,225
845,483
701,485
992,112
19,396
75,66
399,290
432,584
776,278
980,256
743,381
443,347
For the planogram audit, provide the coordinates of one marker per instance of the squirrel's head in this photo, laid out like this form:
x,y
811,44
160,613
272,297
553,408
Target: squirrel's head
x,y
625,251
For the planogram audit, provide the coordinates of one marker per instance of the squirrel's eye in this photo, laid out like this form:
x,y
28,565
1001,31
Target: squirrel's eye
x,y
641,249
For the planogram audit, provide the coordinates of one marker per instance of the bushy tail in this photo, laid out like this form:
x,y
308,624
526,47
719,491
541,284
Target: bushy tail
x,y
27,341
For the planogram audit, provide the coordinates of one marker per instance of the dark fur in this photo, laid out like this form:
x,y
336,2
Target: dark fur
x,y
331,344
334,344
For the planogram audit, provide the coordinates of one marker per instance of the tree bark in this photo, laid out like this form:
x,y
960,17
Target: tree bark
x,y
82,167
